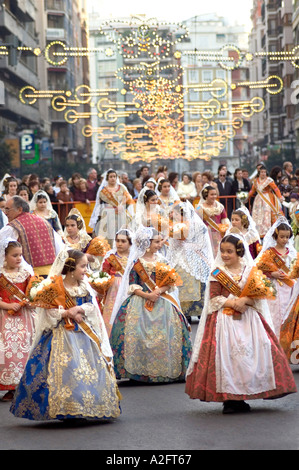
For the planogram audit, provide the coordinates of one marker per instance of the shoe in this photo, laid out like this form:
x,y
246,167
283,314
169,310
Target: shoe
x,y
235,406
8,396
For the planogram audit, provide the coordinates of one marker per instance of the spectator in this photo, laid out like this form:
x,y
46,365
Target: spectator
x,y
81,193
50,191
239,185
285,188
207,179
34,186
92,183
75,183
288,169
174,179
56,186
223,168
239,182
64,196
162,172
137,185
125,180
186,188
245,174
294,184
24,192
44,181
197,180
276,174
225,189
142,172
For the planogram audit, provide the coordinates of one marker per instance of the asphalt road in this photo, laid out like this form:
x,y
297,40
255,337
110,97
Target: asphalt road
x,y
163,418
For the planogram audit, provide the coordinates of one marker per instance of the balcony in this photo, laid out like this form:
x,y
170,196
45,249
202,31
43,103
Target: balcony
x,y
10,24
13,109
57,6
22,75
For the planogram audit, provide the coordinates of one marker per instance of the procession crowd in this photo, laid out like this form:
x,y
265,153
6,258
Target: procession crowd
x,y
88,302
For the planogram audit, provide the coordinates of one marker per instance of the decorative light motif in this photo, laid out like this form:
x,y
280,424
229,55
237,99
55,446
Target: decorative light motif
x,y
168,121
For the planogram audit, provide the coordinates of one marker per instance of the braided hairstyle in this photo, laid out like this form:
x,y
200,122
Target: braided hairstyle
x,y
243,217
206,190
148,194
282,226
77,219
238,244
72,260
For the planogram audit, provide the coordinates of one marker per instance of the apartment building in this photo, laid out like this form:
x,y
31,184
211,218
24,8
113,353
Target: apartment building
x,y
272,32
18,68
63,24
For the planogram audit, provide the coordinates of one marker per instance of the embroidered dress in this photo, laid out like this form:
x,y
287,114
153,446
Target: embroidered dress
x,y
70,372
266,206
109,219
218,216
149,346
237,359
190,253
112,291
289,332
278,307
16,333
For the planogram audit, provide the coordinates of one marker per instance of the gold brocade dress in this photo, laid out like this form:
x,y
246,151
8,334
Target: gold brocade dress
x,y
69,373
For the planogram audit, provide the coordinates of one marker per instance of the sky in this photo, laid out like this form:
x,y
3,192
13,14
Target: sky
x,y
235,11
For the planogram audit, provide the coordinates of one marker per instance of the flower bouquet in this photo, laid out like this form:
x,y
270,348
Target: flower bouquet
x,y
50,293
242,196
294,269
270,262
165,276
257,286
223,229
100,282
14,293
98,246
115,263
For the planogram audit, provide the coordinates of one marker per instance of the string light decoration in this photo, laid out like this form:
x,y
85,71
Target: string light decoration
x,y
138,36
167,121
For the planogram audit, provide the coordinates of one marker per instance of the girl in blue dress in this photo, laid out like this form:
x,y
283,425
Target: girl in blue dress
x,y
69,373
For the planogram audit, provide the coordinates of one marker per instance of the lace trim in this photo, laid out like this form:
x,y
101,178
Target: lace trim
x,y
16,277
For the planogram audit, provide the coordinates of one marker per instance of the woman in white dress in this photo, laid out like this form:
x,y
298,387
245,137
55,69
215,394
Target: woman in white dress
x,y
236,354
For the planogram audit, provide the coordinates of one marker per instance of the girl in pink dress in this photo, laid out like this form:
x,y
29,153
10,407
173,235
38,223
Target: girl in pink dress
x,y
16,319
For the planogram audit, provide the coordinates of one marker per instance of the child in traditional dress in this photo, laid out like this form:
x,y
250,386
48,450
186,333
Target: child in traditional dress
x,y
150,336
114,264
214,215
16,318
275,259
243,222
236,355
69,373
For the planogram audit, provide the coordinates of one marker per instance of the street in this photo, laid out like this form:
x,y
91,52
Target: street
x,y
163,418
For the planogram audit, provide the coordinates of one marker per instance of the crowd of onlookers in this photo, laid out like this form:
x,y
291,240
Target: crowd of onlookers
x,y
188,186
